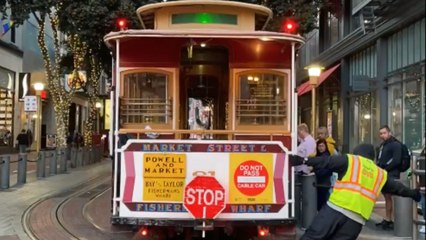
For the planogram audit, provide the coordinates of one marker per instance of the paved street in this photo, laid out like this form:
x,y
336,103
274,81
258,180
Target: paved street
x,y
19,197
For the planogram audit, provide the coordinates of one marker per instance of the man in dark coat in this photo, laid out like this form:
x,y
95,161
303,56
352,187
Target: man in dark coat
x,y
389,158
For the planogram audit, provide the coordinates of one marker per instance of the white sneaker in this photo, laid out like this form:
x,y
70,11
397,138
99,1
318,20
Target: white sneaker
x,y
422,229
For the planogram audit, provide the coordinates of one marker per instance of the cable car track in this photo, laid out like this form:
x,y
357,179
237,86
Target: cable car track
x,y
63,215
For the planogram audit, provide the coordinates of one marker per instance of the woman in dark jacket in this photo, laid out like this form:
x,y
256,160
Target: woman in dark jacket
x,y
323,176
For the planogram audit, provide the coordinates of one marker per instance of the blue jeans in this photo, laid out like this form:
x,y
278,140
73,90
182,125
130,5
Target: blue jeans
x,y
22,148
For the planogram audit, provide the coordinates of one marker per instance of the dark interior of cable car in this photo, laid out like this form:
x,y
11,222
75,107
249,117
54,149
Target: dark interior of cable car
x,y
204,88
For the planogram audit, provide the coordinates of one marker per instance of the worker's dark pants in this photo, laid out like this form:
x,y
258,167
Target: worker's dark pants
x,y
330,224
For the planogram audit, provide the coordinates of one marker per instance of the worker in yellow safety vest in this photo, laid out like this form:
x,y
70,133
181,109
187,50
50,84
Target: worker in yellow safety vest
x,y
354,195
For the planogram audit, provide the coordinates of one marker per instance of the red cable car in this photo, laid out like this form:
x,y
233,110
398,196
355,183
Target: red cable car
x,y
203,89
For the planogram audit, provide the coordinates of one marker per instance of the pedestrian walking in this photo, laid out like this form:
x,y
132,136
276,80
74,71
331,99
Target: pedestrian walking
x,y
354,195
389,159
23,141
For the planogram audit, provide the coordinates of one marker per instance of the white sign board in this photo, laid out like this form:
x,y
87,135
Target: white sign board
x,y
30,103
255,177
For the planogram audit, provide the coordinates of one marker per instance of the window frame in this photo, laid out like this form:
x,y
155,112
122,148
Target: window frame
x,y
170,94
285,126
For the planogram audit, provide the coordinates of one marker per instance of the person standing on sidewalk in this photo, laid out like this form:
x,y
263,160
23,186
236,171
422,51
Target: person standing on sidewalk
x,y
307,146
23,141
322,133
389,159
354,195
323,176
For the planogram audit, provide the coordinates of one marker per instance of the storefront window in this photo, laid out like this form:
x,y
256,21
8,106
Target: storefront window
x,y
6,105
407,107
395,106
412,115
144,98
364,116
262,99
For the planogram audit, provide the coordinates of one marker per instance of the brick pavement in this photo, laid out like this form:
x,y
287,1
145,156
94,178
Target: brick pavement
x,y
14,201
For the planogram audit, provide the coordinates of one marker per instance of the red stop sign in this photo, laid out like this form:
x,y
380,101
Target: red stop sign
x,y
204,197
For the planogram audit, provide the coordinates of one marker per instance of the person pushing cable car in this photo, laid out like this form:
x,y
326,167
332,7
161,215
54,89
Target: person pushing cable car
x,y
354,194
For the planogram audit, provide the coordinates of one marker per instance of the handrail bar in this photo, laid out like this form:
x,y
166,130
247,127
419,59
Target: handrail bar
x,y
188,131
416,173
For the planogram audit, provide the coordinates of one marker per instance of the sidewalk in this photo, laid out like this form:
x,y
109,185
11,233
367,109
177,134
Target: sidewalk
x,y
15,200
8,150
370,231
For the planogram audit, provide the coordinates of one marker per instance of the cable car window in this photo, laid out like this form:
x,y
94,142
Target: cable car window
x,y
144,98
262,99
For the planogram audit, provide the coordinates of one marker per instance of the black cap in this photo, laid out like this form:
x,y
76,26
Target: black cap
x,y
365,150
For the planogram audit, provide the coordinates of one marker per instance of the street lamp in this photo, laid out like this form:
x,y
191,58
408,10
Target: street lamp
x,y
98,106
39,87
314,73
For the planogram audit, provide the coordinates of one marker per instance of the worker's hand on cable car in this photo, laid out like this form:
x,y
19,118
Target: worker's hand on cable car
x,y
296,160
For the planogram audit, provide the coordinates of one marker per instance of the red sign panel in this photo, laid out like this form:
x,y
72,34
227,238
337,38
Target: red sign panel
x,y
251,178
204,197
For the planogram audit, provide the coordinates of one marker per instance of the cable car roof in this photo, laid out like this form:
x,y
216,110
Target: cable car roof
x,y
147,13
202,33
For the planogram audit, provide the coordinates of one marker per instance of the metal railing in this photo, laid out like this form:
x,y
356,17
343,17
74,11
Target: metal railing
x,y
261,111
145,110
56,160
229,134
418,176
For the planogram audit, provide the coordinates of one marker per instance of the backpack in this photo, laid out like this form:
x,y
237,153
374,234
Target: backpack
x,y
405,158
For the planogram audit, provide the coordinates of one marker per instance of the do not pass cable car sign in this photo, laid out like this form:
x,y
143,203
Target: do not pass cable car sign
x,y
204,197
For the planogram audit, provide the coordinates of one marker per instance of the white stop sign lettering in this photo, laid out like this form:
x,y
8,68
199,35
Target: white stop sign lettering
x,y
205,197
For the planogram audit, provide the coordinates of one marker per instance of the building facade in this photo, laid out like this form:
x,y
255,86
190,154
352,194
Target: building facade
x,y
379,47
11,64
21,63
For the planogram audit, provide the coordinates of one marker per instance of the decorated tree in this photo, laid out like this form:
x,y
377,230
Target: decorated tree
x,y
86,23
46,15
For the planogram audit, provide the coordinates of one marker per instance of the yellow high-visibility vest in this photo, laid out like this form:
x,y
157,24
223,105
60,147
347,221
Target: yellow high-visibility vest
x,y
360,187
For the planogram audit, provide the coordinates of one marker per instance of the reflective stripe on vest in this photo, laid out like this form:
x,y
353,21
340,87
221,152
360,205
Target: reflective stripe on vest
x,y
360,187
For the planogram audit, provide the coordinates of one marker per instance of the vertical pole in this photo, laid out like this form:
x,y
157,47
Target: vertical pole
x,y
314,112
293,115
204,222
403,215
297,203
38,122
53,163
97,120
413,185
63,159
22,168
79,156
5,170
115,129
73,156
41,165
309,199
37,136
345,128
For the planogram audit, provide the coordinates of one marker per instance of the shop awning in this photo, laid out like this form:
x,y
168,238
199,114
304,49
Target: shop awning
x,y
306,87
